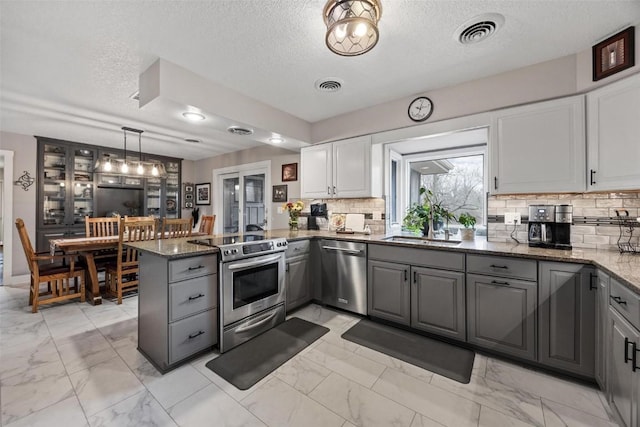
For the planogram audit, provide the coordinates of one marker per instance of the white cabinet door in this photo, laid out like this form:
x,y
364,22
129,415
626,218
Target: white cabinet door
x,y
539,147
352,167
316,172
614,136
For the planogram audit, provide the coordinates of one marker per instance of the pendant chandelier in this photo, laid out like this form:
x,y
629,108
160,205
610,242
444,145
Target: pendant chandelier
x,y
135,168
352,25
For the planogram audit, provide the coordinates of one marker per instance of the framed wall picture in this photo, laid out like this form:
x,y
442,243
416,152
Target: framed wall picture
x,y
614,54
279,193
203,194
290,172
187,194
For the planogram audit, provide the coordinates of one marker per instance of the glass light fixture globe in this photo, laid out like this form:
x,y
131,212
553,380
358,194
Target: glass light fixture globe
x,y
124,168
107,166
140,169
154,170
352,25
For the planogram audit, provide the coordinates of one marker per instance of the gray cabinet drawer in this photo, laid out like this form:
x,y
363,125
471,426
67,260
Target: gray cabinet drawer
x,y
502,266
189,336
186,268
625,301
298,247
192,296
444,260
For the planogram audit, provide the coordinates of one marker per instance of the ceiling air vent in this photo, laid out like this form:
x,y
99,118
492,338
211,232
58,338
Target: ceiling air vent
x,y
135,96
193,140
479,28
328,85
237,130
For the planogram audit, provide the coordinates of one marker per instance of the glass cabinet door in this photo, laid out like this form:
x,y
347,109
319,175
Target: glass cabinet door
x,y
173,190
54,185
154,197
83,185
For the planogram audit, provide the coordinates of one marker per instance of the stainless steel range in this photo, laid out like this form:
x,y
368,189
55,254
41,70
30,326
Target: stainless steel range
x,y
252,293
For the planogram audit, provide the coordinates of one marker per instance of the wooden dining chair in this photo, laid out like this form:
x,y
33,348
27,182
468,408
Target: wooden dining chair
x,y
206,224
176,227
124,273
101,227
62,274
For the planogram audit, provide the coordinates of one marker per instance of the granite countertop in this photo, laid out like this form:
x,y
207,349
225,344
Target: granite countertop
x,y
624,267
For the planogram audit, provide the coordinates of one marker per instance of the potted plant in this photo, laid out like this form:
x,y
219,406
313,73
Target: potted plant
x,y
469,222
421,217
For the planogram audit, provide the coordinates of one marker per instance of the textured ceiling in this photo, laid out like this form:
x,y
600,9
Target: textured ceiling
x,y
69,67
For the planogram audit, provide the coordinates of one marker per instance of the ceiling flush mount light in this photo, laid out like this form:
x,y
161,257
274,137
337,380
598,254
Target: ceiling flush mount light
x,y
193,116
125,167
352,25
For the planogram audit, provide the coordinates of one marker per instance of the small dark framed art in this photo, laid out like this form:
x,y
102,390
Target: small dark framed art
x,y
290,172
279,194
614,54
187,193
203,194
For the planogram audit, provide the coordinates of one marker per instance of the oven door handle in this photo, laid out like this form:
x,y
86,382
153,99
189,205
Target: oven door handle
x,y
257,323
255,263
349,251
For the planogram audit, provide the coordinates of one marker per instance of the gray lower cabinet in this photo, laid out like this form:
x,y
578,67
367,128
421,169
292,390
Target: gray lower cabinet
x,y
501,314
297,278
177,307
438,302
602,310
389,294
623,354
566,317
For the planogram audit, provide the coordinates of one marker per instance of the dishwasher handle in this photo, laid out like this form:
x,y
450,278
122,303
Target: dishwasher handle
x,y
343,250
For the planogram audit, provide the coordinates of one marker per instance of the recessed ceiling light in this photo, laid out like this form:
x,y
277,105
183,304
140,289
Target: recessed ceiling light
x,y
276,140
193,116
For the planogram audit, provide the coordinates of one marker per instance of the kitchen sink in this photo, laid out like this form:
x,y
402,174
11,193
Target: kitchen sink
x,y
421,240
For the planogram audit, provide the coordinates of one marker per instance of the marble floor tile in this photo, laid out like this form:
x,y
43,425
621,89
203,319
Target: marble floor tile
x,y
492,418
23,333
359,405
67,413
174,386
104,385
85,350
302,374
127,348
351,365
438,404
74,325
335,338
120,329
559,390
421,421
279,404
397,364
348,424
141,409
508,400
212,405
479,365
335,320
38,388
557,415
22,358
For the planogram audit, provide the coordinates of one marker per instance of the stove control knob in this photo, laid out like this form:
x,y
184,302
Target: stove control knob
x,y
227,252
235,251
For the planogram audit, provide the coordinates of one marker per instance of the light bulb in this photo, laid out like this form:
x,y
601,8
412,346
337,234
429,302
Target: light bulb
x,y
154,171
361,30
140,169
78,185
341,31
124,168
62,184
107,166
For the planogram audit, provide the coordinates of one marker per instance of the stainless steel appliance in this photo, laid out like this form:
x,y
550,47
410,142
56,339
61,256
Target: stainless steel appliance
x,y
318,210
251,291
344,275
550,226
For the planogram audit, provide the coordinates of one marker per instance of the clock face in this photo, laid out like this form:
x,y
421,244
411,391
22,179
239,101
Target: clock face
x,y
420,109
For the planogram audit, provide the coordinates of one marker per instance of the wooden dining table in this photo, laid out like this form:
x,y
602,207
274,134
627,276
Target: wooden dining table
x,y
88,247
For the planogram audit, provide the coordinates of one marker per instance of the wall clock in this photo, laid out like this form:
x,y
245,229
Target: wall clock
x,y
420,109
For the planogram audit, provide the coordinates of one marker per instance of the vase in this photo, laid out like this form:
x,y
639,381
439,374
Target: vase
x,y
293,223
467,233
425,229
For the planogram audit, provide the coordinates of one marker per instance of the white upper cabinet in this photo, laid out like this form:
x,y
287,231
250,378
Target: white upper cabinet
x,y
346,168
539,147
613,136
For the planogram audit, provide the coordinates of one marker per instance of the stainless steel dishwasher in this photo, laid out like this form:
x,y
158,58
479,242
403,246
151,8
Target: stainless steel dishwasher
x,y
344,275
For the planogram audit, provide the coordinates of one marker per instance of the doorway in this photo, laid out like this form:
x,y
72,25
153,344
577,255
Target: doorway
x,y
242,198
6,215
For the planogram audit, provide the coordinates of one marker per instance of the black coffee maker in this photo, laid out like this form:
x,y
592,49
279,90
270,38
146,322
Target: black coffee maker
x,y
318,210
550,226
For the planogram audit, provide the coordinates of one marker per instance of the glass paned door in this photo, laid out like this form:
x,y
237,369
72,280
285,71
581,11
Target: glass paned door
x,y
54,184
254,203
244,199
82,181
231,203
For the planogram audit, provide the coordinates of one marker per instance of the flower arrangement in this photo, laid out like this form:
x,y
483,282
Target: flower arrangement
x,y
294,209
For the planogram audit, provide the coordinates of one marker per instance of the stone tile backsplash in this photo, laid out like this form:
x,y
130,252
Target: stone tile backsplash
x,y
370,207
593,213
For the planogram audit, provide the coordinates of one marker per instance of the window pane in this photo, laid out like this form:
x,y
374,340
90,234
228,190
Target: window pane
x,y
394,192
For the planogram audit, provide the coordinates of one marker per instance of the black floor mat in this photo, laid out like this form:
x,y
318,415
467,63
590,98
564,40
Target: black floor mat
x,y
436,356
245,365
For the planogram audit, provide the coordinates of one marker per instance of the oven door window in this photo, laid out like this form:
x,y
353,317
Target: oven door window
x,y
254,284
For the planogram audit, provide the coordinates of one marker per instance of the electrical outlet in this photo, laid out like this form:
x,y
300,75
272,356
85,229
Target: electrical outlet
x,y
512,218
280,210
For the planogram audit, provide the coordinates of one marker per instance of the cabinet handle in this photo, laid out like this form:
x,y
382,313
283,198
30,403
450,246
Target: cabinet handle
x,y
196,297
504,267
592,181
406,277
415,277
196,268
618,300
286,267
334,190
495,282
329,190
626,349
197,334
634,357
591,286
495,182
